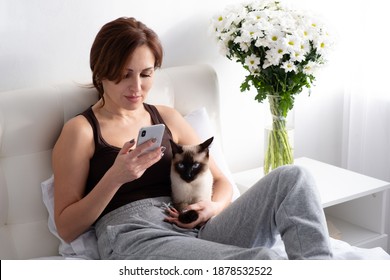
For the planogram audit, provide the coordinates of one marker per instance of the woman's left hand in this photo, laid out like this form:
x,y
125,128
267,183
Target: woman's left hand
x,y
205,209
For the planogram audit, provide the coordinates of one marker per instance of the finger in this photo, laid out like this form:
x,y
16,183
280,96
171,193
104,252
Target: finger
x,y
142,148
170,220
152,156
127,146
172,212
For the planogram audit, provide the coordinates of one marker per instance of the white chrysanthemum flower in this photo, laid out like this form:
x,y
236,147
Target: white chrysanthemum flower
x,y
218,23
252,62
289,66
310,68
236,13
305,47
223,49
271,61
251,32
257,16
292,43
285,21
275,35
223,43
322,45
244,46
314,29
297,56
274,56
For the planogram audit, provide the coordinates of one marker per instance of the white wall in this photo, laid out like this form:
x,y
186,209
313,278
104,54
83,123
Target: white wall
x,y
48,41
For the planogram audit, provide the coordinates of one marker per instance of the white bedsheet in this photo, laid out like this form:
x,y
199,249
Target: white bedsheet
x,y
343,251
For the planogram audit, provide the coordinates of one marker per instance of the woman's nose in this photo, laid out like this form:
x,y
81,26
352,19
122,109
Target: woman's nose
x,y
135,84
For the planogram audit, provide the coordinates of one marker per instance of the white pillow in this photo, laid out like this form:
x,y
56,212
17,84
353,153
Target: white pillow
x,y
200,122
85,246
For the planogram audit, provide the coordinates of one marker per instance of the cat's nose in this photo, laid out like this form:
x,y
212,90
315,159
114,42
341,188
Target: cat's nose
x,y
187,176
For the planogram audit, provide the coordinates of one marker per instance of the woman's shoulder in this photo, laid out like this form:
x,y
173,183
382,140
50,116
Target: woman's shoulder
x,y
75,143
180,128
76,131
78,124
168,112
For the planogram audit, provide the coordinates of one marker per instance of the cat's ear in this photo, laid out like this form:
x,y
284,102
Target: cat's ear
x,y
205,145
176,148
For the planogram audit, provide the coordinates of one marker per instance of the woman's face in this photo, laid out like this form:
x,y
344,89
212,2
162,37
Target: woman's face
x,y
136,81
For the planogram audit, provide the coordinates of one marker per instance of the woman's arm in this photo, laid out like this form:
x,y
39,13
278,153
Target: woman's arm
x,y
73,212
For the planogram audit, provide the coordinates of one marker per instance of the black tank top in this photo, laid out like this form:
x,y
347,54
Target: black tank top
x,y
153,183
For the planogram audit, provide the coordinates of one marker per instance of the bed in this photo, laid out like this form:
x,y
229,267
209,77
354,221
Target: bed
x,y
30,122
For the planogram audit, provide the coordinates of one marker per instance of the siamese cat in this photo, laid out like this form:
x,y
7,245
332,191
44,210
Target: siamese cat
x,y
191,177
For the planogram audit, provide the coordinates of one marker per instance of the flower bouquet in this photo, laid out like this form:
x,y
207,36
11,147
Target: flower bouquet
x,y
281,48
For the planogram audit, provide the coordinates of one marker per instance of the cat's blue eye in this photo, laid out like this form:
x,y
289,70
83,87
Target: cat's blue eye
x,y
180,165
196,165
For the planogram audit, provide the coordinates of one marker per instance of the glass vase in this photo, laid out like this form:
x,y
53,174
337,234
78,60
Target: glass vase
x,y
279,137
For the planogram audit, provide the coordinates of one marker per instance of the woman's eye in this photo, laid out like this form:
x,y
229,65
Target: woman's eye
x,y
142,75
146,75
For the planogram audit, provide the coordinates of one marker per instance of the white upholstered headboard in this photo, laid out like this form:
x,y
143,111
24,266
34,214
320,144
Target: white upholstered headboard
x,y
30,122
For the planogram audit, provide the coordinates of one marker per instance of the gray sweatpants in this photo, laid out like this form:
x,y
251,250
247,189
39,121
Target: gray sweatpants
x,y
284,202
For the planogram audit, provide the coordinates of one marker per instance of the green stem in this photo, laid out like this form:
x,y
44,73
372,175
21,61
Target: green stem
x,y
279,151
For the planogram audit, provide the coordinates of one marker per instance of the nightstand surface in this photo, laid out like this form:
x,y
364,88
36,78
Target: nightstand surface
x,y
335,185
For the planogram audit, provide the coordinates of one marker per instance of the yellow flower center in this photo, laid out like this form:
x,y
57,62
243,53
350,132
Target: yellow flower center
x,y
220,18
274,38
322,45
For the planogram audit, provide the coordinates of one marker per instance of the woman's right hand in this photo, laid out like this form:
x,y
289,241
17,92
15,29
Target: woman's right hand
x,y
130,164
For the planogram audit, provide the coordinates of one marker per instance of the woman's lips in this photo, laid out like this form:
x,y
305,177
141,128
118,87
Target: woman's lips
x,y
133,98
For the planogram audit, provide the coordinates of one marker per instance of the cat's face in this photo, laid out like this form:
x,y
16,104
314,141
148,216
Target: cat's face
x,y
190,161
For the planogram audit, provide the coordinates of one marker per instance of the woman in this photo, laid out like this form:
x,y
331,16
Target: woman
x,y
102,179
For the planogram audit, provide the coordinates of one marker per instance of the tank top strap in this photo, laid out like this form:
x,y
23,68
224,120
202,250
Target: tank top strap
x,y
156,117
90,116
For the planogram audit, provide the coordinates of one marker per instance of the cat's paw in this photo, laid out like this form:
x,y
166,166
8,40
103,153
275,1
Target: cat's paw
x,y
189,216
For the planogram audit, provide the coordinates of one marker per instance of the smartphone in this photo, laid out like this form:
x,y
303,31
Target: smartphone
x,y
154,131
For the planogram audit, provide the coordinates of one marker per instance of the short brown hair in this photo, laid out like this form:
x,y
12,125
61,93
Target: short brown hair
x,y
114,43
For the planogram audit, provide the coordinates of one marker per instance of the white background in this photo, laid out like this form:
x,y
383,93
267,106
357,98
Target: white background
x,y
48,41
345,121
211,270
